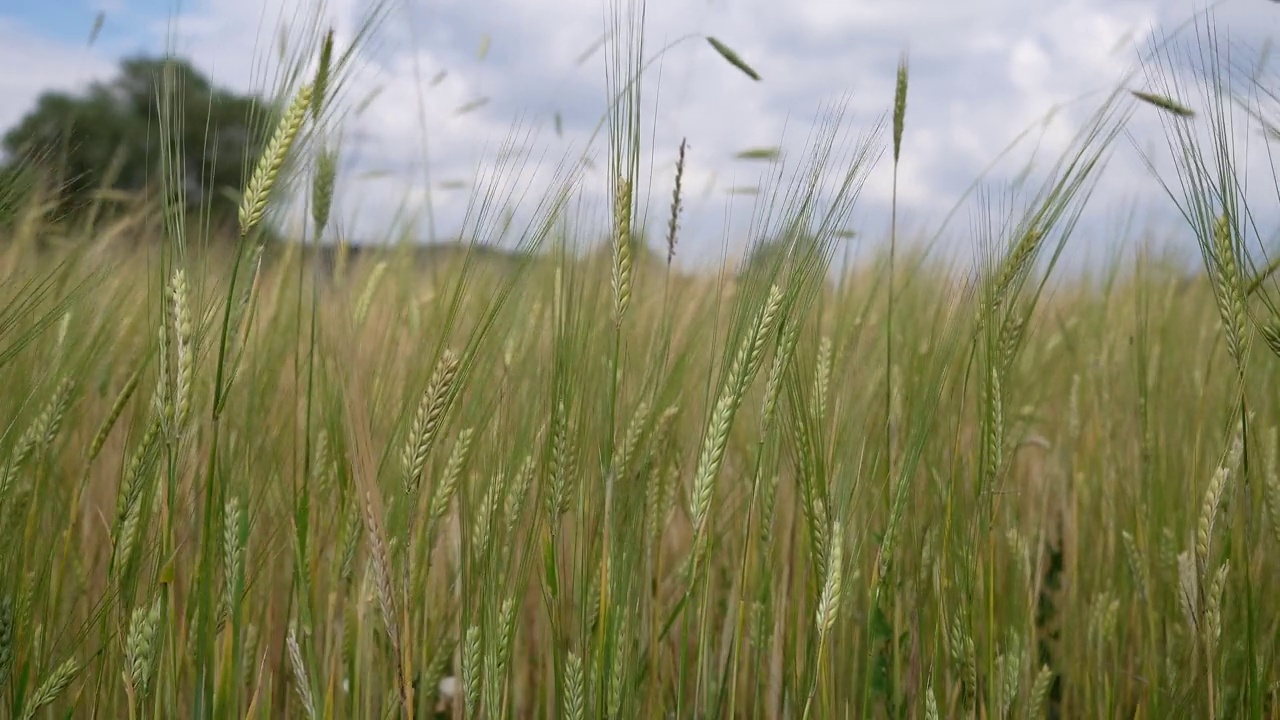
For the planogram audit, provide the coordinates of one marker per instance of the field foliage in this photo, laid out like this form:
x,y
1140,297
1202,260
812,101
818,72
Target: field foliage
x,y
248,480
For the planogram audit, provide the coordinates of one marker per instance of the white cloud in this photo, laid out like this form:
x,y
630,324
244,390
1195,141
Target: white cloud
x,y
33,66
108,6
982,72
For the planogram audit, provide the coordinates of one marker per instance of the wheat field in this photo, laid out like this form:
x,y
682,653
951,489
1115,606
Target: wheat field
x,y
253,480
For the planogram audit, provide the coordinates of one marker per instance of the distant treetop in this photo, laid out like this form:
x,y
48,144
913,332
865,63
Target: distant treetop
x,y
109,138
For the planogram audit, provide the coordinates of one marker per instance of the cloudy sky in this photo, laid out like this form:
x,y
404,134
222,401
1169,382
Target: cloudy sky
x,y
983,72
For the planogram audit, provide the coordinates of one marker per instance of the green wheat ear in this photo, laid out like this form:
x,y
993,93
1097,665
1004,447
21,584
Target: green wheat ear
x,y
1164,103
762,153
734,59
900,105
321,84
51,688
254,203
622,249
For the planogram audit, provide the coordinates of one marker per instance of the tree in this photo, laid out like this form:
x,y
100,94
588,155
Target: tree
x,y
110,137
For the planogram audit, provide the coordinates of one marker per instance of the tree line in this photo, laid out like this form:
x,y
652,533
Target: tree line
x,y
91,148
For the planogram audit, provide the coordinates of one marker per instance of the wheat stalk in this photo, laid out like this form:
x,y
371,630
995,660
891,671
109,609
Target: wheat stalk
x,y
140,648
743,366
676,202
622,248
51,688
253,204
301,682
184,353
427,419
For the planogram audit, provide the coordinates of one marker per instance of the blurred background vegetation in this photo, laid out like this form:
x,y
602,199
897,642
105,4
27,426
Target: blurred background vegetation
x,y
99,152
